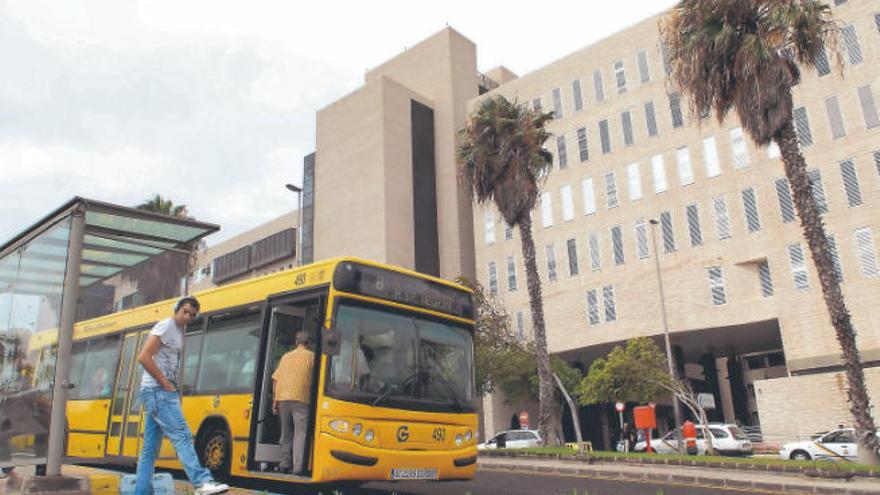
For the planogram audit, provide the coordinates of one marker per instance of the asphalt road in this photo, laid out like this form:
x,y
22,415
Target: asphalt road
x,y
510,483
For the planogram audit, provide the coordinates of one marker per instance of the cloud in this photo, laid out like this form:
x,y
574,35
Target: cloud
x,y
217,123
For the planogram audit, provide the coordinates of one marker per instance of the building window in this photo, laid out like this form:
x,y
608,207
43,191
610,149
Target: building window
x,y
675,110
493,279
740,152
508,231
490,227
651,119
851,183
693,218
611,191
765,278
866,252
551,262
604,136
641,239
592,307
722,219
576,95
835,257
536,104
546,209
608,301
595,258
557,103
823,68
620,77
511,273
617,245
798,267
659,172
818,190
589,197
571,244
520,326
786,205
877,161
231,265
277,246
750,205
598,86
644,70
561,156
802,126
567,203
664,56
716,286
626,123
835,117
851,40
869,108
668,233
685,170
582,144
634,177
710,155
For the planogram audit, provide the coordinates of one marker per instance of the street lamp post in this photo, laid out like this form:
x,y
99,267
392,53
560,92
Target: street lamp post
x,y
669,360
298,191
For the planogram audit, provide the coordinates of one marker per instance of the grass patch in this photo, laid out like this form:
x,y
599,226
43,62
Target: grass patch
x,y
703,459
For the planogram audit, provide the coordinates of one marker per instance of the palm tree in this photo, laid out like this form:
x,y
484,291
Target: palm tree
x,y
165,206
744,55
502,159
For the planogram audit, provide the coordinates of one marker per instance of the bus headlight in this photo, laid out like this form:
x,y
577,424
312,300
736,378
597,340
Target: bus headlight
x,y
458,439
468,436
357,429
339,425
369,435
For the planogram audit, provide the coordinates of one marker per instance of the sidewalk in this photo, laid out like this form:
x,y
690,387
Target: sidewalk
x,y
686,475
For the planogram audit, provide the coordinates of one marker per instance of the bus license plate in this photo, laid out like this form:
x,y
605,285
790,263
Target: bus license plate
x,y
414,474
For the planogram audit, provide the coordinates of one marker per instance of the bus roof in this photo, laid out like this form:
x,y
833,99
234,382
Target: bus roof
x,y
226,296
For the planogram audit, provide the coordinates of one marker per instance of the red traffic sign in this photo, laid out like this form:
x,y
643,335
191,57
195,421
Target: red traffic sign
x,y
620,406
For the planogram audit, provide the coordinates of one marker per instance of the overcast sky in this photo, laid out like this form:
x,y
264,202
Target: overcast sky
x,y
212,102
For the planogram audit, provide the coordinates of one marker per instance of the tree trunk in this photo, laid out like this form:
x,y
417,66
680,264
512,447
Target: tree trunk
x,y
814,233
605,423
545,376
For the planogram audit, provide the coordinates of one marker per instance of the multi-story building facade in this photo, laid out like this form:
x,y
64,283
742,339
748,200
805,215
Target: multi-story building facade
x,y
745,310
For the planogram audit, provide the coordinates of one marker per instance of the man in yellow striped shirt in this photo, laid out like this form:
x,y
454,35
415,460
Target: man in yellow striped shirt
x,y
292,386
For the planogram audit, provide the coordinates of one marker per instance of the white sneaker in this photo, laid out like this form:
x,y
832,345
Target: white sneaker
x,y
211,487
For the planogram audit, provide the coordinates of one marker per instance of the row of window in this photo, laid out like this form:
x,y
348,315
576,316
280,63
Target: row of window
x,y
833,112
850,179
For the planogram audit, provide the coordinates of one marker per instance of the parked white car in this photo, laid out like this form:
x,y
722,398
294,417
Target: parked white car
x,y
727,439
514,439
839,444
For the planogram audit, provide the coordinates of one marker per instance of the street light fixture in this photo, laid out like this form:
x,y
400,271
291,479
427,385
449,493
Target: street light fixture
x,y
676,411
298,191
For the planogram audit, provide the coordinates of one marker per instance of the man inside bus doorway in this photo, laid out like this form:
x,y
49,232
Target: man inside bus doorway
x,y
292,384
160,358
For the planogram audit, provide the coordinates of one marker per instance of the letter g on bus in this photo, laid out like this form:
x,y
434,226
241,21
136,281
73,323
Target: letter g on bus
x,y
402,434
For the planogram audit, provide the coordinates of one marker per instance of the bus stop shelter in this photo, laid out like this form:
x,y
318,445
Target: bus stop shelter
x,y
43,274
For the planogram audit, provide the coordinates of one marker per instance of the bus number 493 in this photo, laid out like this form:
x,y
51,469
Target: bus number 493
x,y
439,434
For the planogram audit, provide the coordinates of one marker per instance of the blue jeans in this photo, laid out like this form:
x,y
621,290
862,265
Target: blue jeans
x,y
164,417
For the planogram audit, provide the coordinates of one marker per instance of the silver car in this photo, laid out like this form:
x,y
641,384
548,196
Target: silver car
x,y
727,439
514,439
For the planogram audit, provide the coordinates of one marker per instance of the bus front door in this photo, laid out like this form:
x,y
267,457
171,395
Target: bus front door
x,y
287,318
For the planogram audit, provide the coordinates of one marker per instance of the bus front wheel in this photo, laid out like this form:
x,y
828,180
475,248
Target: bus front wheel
x,y
216,452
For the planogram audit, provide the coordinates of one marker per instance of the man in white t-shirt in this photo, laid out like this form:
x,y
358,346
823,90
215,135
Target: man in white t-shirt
x,y
160,397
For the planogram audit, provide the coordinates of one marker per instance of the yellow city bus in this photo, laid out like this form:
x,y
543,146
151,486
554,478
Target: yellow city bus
x,y
393,390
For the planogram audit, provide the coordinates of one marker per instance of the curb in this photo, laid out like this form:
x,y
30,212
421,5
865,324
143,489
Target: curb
x,y
734,466
689,479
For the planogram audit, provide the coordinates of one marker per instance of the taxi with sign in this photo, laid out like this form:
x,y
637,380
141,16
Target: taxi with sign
x,y
838,445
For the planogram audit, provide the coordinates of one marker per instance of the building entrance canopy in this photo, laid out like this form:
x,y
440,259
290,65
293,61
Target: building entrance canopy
x,y
43,272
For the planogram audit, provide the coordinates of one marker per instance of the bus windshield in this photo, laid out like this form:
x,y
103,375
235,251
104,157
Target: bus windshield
x,y
401,360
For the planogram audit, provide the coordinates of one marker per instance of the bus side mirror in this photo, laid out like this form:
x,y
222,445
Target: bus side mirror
x,y
330,341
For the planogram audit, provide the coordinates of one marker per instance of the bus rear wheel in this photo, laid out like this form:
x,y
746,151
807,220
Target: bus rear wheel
x,y
216,453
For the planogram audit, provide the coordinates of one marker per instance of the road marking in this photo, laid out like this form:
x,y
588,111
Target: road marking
x,y
645,482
